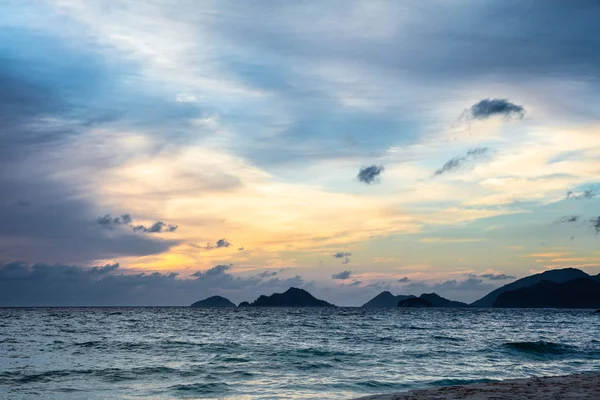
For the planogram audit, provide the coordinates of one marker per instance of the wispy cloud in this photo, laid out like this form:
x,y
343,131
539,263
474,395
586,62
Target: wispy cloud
x,y
341,254
493,276
472,156
568,219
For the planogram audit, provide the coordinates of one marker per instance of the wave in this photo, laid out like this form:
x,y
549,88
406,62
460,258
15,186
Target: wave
x,y
540,347
110,374
448,338
202,388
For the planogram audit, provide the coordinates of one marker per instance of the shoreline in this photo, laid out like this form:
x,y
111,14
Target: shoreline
x,y
576,386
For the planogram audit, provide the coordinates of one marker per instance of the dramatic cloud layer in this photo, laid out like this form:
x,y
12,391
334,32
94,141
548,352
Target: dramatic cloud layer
x,y
56,285
256,135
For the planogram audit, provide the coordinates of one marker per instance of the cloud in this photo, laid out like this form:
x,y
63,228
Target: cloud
x,y
346,261
221,243
370,174
157,227
108,221
404,280
493,276
568,219
473,155
488,108
341,254
583,195
23,284
596,224
342,275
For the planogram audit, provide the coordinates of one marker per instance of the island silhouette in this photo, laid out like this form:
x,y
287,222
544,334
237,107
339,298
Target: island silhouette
x,y
560,288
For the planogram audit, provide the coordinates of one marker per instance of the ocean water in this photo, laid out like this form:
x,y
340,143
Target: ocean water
x,y
281,353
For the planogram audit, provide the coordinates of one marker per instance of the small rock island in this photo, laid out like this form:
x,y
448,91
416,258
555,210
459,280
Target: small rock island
x,y
293,297
214,301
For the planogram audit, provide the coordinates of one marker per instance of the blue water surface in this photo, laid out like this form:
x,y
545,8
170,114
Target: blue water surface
x,y
281,353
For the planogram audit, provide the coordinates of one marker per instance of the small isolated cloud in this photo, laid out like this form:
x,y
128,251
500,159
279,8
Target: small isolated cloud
x,y
488,108
221,243
568,219
355,283
473,155
157,227
404,280
342,275
240,249
341,254
370,174
346,261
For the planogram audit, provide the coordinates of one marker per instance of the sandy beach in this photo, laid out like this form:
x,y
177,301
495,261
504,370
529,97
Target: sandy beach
x,y
580,386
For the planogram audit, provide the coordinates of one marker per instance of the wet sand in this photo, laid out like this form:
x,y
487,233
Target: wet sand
x,y
580,386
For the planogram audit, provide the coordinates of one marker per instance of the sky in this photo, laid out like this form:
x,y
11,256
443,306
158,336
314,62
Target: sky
x,y
159,152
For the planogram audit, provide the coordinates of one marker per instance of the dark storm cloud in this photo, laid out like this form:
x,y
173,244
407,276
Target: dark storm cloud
x,y
341,254
157,227
488,108
23,284
370,174
473,155
404,280
342,275
53,220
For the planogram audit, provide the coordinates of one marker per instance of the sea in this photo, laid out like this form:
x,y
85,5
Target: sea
x,y
281,353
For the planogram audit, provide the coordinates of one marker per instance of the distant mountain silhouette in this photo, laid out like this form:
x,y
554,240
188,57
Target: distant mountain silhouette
x,y
414,302
439,301
576,293
214,301
385,299
244,304
293,297
556,275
